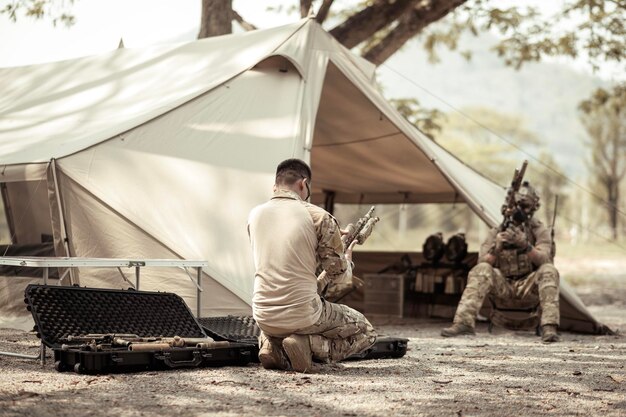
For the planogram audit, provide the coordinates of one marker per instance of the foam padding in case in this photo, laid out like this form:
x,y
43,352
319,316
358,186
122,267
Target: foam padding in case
x,y
231,328
63,311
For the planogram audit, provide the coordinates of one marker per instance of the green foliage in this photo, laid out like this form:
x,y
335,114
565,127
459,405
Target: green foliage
x,y
57,11
426,120
593,29
604,118
475,137
588,28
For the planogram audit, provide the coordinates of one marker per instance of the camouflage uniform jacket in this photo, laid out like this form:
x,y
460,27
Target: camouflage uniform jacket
x,y
516,264
289,238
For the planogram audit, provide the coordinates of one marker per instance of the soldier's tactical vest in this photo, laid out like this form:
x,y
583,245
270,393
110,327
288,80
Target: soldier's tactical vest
x,y
514,263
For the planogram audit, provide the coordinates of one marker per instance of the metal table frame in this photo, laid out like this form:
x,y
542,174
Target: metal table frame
x,y
51,262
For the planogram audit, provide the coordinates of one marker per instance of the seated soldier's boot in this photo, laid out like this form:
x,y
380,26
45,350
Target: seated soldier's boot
x,y
272,356
298,349
457,330
549,334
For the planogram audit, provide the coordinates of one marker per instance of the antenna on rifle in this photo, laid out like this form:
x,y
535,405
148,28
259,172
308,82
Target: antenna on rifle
x,y
552,246
556,202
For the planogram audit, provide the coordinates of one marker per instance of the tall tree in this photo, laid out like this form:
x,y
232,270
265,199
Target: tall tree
x,y
216,18
604,118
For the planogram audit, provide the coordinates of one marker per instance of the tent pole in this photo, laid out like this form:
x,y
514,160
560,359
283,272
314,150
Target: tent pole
x,y
64,237
8,211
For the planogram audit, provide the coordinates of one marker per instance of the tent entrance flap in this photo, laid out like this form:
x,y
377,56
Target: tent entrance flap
x,y
357,151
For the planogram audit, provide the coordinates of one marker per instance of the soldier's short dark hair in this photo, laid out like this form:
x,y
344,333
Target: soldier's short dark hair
x,y
291,170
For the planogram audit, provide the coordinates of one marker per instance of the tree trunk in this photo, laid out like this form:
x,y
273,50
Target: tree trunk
x,y
613,200
216,18
305,6
410,25
362,25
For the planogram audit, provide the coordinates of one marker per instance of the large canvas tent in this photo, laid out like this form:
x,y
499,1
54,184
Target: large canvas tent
x,y
161,152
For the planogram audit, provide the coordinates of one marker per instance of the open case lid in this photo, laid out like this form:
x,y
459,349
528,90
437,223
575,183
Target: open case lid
x,y
63,311
231,328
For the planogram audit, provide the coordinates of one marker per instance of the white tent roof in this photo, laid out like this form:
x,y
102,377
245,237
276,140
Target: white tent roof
x,y
171,146
56,109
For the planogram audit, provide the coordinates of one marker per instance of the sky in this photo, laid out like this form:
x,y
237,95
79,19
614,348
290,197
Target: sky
x,y
100,24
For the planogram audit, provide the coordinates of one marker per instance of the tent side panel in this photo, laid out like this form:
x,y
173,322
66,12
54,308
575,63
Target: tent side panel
x,y
97,231
190,178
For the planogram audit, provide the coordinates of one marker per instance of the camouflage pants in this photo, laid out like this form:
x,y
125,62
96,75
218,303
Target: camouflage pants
x,y
484,279
339,333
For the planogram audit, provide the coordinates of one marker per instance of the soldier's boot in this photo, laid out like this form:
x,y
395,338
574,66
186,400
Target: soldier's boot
x,y
298,349
549,334
458,329
271,354
479,283
320,348
548,282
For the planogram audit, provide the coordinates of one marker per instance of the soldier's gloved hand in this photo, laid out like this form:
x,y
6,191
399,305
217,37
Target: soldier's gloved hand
x,y
516,237
499,244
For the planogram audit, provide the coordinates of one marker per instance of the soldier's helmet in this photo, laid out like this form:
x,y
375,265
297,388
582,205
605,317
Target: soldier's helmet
x,y
527,198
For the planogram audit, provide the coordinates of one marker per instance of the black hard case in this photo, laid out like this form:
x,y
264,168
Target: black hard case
x,y
60,312
244,329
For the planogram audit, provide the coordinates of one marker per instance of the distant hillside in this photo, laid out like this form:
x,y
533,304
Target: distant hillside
x,y
546,95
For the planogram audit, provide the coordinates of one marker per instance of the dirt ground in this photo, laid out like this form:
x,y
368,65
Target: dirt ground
x,y
500,374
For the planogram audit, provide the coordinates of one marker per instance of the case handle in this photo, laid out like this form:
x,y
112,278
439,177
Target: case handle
x,y
197,360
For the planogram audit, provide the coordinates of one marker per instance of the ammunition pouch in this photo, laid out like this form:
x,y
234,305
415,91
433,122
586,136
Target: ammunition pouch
x,y
514,264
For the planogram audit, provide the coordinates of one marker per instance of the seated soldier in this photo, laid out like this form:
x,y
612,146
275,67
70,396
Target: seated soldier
x,y
516,263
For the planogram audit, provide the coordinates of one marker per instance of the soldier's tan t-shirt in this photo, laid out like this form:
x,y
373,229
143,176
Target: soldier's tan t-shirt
x,y
289,238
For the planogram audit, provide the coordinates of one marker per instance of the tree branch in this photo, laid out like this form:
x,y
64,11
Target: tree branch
x,y
410,25
370,20
322,13
246,25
